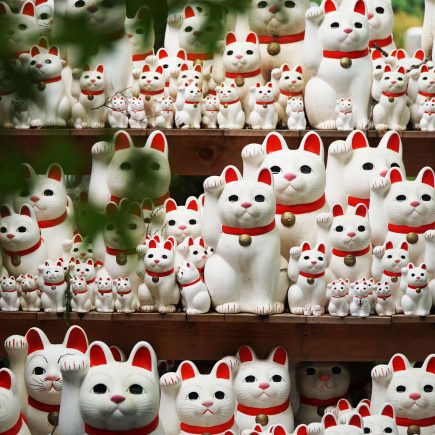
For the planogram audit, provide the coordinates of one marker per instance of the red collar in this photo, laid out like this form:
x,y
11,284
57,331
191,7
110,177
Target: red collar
x,y
359,253
350,54
4,93
44,407
312,275
244,75
256,231
291,94
223,103
191,283
127,292
273,410
53,222
403,229
157,201
51,80
353,201
29,290
211,92
15,429
151,93
53,284
265,103
9,291
384,297
160,274
426,94
137,57
394,94
390,273
416,287
424,422
79,292
301,208
430,113
192,102
199,56
105,292
284,39
91,281
24,251
144,430
323,402
198,430
381,42
113,251
100,92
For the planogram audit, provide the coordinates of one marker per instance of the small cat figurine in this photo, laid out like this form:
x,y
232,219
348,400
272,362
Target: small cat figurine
x,y
427,111
7,92
263,113
90,110
194,251
210,110
385,305
36,364
360,305
307,269
105,301
78,248
44,13
344,114
296,114
137,116
425,89
20,113
165,118
81,298
189,114
9,299
118,114
30,297
126,301
185,75
384,421
392,111
354,426
171,69
231,114
86,269
417,298
194,293
54,288
338,293
381,22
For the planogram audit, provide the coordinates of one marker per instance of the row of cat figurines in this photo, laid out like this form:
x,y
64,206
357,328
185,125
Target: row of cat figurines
x,y
104,390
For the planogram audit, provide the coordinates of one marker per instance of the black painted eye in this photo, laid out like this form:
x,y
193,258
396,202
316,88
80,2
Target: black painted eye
x,y
400,388
150,255
276,378
233,198
132,226
156,77
21,229
33,62
155,166
259,198
334,25
389,256
428,388
192,221
426,197
358,25
262,5
171,222
188,29
193,395
164,256
250,379
424,78
107,4
135,389
195,252
219,395
99,389
38,371
76,250
110,227
399,79
48,192
336,370
400,198
3,230
147,220
368,166
250,52
412,274
306,257
90,251
339,228
388,430
289,4
320,258
48,61
361,228
125,166
44,16
310,371
367,430
79,4
380,10
305,169
275,169
378,66
387,77
140,31
402,257
22,27
230,52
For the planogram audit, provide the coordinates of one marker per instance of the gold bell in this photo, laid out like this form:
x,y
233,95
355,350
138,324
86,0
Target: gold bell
x,y
239,81
391,99
16,260
418,290
288,219
148,98
225,105
41,86
412,238
394,279
413,430
273,48
350,260
345,62
121,259
90,97
262,419
53,418
155,279
245,239
310,280
198,62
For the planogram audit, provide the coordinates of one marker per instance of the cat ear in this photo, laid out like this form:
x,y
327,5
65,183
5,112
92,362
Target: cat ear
x,y
329,6
5,379
246,354
401,54
389,245
363,410
321,248
429,364
387,68
187,370
265,176
231,174
274,142
77,238
27,171
5,211
135,209
423,266
426,176
36,340
410,266
395,176
170,205
111,208
269,85
391,141
399,362
279,356
252,38
376,54
122,140
230,38
159,70
168,245
360,7
189,12
361,210
356,421
99,354
184,67
28,8
401,70
328,419
258,85
404,246
143,356
157,141
358,140
76,338
312,143
192,204
419,54
343,405
4,9
162,53
181,54
285,67
152,244
337,210
278,430
306,247
100,69
116,353
301,430
221,370
34,51
387,410
190,241
424,69
54,50
298,68
26,210
197,68
55,172
146,68
232,85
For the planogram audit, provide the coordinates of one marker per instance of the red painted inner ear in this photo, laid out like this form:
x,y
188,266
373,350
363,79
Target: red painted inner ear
x,y
116,354
142,358
97,356
395,176
301,430
361,210
4,212
312,144
329,7
355,420
376,54
428,178
280,356
77,238
54,51
306,247
181,54
34,51
187,371
329,421
223,371
431,365
337,210
231,38
5,379
122,141
158,143
342,404
34,341
279,430
152,244
359,141
77,340
394,143
404,246
163,53
55,173
111,208
364,411
360,7
252,37
192,205
265,176
100,68
273,144
398,363
231,175
189,12
389,245
419,54
168,245
245,354
171,205
321,248
388,411
29,9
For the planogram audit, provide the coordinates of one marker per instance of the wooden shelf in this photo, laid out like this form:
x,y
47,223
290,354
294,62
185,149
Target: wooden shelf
x,y
193,152
212,336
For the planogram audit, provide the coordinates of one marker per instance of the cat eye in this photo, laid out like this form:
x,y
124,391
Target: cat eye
x,y
22,27
368,166
428,388
289,4
48,61
140,31
400,198
358,25
86,76
110,227
250,379
379,67
79,4
24,193
233,198
367,430
21,229
38,371
400,79
107,4
387,78
99,77
262,5
424,78
306,257
155,166
150,255
250,52
195,252
426,197
188,29
388,430
379,10
320,258
339,228
275,169
310,371
361,228
276,378
99,389
389,256
147,220
305,169
132,226
230,52
336,370
402,257
401,389
44,17
171,222
219,395
48,192
125,166
3,229
192,221
259,198
33,62
193,395
164,256
184,76
156,77
394,165
334,25
135,389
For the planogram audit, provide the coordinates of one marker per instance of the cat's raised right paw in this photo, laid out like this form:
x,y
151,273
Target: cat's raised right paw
x,y
101,148
253,153
276,73
295,252
314,14
380,184
378,251
214,185
170,380
339,147
324,219
382,371
16,343
74,366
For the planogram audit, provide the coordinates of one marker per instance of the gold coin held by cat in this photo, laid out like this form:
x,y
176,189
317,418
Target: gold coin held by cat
x,y
288,219
310,280
245,239
345,62
273,48
121,259
41,86
155,279
413,430
262,419
239,81
16,260
394,279
350,260
412,238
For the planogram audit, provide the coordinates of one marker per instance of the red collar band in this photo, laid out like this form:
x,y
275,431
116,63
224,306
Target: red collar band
x,y
244,75
339,253
424,422
224,103
416,287
199,56
430,113
100,92
211,92
191,283
51,80
353,201
24,252
127,292
44,407
394,94
301,208
381,42
112,251
30,290
403,229
105,292
256,231
265,103
15,429
426,94
151,93
145,430
291,94
350,54
384,297
199,430
323,402
53,284
312,275
192,102
53,222
79,292
138,57
91,281
391,273
273,410
284,39
160,274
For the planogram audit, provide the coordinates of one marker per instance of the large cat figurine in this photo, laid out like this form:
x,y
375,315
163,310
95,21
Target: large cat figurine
x,y
121,170
239,224
46,194
298,182
110,397
409,390
402,210
336,47
44,13
381,22
36,363
353,164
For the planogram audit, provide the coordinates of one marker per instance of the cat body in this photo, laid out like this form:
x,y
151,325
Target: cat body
x,y
10,299
81,298
54,287
118,112
105,300
263,113
360,305
344,114
210,109
385,305
417,298
8,93
165,119
136,110
427,111
296,114
189,114
126,300
30,295
231,114
338,298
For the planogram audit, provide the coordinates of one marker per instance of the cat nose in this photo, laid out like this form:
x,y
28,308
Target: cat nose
x,y
293,82
351,234
414,396
289,176
52,378
130,35
370,16
383,173
157,261
415,203
397,261
148,81
347,30
39,65
324,378
314,262
274,9
10,236
393,82
246,204
93,81
207,404
117,399
92,8
182,227
34,198
239,56
264,386
432,82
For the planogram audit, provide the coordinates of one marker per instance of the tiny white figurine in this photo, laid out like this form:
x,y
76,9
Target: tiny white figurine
x,y
210,109
424,89
427,111
9,299
262,104
360,305
383,421
416,299
189,113
118,115
385,305
20,113
194,293
30,297
137,116
194,251
126,301
81,298
54,287
296,114
78,248
86,270
165,118
230,114
105,298
339,302
352,426
344,114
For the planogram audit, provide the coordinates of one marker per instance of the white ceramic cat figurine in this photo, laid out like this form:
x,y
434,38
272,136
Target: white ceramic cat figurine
x,y
239,224
427,111
105,301
353,164
81,298
107,396
54,287
90,110
338,293
307,269
354,426
299,184
263,113
417,298
231,114
425,89
137,116
344,114
46,193
110,181
360,305
30,297
126,301
78,247
202,402
44,13
287,83
7,93
86,269
262,386
20,115
381,22
384,421
189,113
9,299
409,390
171,69
194,251
20,239
185,75
159,291
385,305
402,210
36,364
194,293
296,114
379,63
320,385
165,119
341,59
387,266
392,111
118,112
210,109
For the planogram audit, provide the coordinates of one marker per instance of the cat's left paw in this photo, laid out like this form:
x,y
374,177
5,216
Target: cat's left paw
x,y
263,309
74,366
429,236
